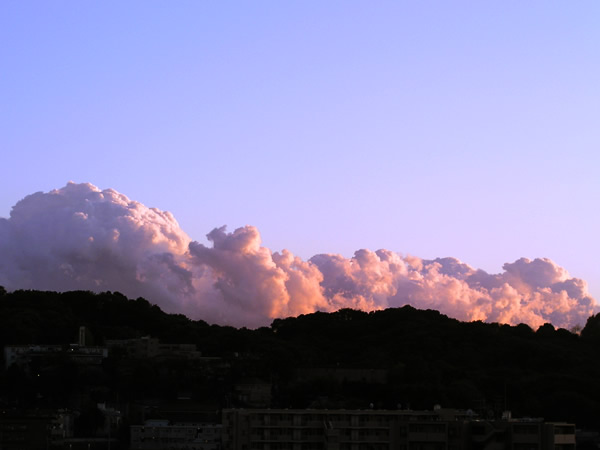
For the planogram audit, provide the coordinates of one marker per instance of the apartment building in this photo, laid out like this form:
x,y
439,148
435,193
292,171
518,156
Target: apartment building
x,y
342,429
441,429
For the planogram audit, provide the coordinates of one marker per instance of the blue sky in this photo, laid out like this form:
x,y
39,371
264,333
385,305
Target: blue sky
x,y
465,129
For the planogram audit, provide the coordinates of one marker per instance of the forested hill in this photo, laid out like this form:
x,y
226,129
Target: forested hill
x,y
427,358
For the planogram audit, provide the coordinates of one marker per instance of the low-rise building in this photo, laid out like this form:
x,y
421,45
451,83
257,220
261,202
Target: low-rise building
x,y
15,354
24,354
163,435
139,348
253,393
34,429
149,347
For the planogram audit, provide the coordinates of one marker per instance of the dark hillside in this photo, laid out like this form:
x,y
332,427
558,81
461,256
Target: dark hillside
x,y
349,358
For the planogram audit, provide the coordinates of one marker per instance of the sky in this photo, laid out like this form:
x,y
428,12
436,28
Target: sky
x,y
435,129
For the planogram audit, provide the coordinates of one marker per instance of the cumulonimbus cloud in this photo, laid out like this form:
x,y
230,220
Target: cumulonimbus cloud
x,y
81,237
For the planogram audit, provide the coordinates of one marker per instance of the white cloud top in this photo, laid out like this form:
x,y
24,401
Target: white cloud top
x,y
79,237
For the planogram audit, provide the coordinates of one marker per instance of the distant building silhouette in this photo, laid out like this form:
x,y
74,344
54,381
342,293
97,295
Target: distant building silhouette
x,y
161,434
23,355
149,347
441,429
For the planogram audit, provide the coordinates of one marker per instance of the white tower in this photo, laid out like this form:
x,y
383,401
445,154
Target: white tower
x,y
82,336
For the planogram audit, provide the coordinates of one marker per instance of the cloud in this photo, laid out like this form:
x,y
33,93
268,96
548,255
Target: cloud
x,y
81,237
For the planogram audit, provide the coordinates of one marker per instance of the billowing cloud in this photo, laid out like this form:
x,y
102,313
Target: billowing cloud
x,y
81,237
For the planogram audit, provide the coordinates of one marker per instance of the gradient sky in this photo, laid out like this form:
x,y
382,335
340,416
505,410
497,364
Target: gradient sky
x,y
464,129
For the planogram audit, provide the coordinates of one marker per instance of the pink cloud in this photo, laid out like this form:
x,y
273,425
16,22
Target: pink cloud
x,y
81,237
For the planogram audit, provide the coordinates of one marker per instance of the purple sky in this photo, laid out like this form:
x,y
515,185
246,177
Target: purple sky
x,y
463,129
